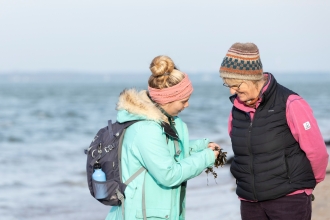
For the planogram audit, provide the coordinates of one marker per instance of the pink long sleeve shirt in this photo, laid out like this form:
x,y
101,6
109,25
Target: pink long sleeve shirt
x,y
304,129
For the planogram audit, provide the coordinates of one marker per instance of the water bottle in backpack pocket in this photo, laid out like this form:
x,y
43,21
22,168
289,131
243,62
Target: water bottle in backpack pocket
x,y
100,190
103,178
106,184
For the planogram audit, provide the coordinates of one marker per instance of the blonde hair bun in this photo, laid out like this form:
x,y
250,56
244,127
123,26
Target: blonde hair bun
x,y
161,65
164,73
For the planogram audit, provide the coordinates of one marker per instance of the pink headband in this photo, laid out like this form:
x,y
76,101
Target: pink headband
x,y
174,93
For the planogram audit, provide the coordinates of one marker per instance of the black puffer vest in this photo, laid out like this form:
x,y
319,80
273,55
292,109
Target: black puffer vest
x,y
268,161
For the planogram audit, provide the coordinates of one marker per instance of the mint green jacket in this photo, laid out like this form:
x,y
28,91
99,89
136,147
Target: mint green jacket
x,y
145,145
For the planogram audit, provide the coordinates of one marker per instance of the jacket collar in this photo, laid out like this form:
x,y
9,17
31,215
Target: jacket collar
x,y
270,90
138,104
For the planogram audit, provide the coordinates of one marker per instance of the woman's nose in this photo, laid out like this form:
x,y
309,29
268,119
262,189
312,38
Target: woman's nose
x,y
232,91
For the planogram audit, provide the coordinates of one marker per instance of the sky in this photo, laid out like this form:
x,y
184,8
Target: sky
x,y
108,36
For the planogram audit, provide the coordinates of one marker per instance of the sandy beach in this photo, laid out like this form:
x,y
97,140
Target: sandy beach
x,y
321,204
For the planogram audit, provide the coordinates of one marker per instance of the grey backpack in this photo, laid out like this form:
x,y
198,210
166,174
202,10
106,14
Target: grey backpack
x,y
105,150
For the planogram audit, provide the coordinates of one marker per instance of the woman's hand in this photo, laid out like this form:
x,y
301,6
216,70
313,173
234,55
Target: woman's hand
x,y
215,147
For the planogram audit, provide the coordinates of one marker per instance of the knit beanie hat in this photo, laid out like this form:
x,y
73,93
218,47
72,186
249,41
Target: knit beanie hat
x,y
242,61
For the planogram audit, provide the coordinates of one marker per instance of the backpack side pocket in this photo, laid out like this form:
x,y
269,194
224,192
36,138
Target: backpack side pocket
x,y
107,190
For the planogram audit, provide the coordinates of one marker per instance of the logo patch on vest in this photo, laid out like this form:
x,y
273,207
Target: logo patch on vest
x,y
307,125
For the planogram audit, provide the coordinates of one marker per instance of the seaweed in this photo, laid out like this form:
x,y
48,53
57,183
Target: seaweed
x,y
219,161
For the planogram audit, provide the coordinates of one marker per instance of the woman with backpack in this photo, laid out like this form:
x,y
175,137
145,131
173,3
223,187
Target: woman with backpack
x,y
159,143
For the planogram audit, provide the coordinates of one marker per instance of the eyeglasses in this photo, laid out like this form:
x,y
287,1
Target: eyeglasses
x,y
235,87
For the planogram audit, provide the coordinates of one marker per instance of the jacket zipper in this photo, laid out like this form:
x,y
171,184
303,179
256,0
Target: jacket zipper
x,y
251,166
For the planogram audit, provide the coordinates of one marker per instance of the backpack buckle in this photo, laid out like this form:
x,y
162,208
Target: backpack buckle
x,y
120,196
100,149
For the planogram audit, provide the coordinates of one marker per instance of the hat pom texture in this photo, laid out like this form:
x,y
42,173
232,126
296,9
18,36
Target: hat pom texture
x,y
242,61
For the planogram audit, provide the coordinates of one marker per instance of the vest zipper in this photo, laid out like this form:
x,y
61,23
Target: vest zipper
x,y
251,166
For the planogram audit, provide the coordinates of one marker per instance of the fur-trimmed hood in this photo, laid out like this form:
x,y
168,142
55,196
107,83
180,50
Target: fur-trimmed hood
x,y
135,105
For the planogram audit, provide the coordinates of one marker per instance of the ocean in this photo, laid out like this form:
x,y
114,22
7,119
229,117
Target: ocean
x,y
47,120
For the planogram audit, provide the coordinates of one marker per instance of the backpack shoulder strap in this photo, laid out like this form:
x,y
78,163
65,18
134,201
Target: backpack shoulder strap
x,y
120,146
121,128
110,128
135,175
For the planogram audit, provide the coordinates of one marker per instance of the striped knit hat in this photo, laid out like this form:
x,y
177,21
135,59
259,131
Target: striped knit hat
x,y
242,61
